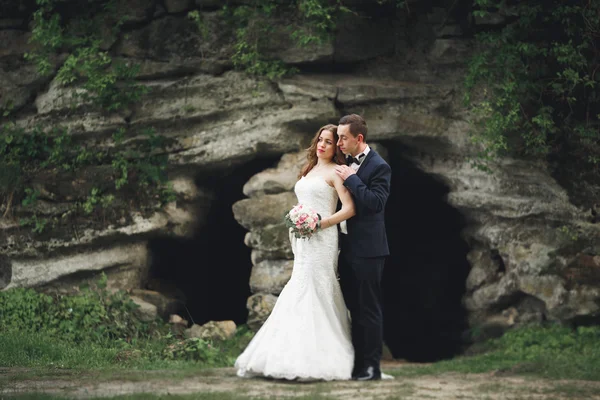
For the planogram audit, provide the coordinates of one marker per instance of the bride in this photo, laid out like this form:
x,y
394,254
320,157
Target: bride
x,y
307,335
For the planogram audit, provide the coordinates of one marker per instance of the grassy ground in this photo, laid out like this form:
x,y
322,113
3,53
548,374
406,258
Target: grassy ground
x,y
548,363
553,352
41,351
223,385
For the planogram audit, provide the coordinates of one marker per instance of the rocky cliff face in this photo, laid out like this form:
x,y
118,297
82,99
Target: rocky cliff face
x,y
529,248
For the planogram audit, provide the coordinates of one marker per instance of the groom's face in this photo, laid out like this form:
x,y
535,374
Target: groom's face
x,y
347,143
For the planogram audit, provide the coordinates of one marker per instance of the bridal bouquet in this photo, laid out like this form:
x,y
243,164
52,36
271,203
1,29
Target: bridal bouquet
x,y
303,221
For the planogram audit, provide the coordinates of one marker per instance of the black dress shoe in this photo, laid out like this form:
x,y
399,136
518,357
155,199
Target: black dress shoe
x,y
368,374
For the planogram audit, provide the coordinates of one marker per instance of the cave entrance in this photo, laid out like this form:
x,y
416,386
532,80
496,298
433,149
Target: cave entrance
x,y
424,278
210,271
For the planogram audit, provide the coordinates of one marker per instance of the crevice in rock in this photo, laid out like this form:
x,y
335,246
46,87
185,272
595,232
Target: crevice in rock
x,y
424,278
210,269
120,276
497,258
585,320
529,309
5,271
330,67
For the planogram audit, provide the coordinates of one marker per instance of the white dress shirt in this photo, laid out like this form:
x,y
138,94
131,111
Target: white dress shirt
x,y
355,167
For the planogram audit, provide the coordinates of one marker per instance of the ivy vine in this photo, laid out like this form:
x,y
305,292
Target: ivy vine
x,y
100,81
540,79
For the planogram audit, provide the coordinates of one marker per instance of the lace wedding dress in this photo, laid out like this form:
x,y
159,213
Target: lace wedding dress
x,y
307,335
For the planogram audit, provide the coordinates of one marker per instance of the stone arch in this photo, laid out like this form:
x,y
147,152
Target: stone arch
x,y
208,268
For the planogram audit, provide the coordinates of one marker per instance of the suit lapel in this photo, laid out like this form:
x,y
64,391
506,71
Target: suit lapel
x,y
363,166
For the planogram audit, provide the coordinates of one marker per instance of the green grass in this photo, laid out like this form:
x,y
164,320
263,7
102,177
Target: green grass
x,y
39,349
553,352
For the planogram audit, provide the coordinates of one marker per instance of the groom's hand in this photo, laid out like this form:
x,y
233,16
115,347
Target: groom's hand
x,y
344,171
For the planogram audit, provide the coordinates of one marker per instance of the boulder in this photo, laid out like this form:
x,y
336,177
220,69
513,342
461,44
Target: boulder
x,y
263,210
270,276
146,312
213,330
259,308
165,305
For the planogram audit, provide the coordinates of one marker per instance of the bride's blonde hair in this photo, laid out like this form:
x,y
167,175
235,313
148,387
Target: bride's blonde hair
x,y
311,152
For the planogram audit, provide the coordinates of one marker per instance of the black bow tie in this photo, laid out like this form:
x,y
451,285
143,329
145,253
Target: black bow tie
x,y
355,160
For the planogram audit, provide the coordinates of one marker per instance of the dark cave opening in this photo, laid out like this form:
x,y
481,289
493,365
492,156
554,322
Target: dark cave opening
x,y
425,274
423,282
210,271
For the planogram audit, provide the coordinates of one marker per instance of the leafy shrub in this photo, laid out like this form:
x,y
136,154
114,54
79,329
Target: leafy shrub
x,y
108,84
92,315
530,343
193,349
25,154
220,353
539,96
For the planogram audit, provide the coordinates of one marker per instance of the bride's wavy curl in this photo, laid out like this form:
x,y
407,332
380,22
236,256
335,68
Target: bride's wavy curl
x,y
311,152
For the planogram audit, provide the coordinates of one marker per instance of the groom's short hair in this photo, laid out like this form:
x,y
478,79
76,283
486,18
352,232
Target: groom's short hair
x,y
357,124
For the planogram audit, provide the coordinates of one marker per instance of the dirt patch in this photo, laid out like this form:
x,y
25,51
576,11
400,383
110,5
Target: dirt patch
x,y
444,386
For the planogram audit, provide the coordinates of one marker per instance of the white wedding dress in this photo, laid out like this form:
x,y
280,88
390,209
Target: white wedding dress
x,y
307,335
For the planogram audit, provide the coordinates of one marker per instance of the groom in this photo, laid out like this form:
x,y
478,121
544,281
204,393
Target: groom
x,y
364,248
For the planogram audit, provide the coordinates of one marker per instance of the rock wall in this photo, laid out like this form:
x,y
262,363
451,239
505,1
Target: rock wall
x,y
532,250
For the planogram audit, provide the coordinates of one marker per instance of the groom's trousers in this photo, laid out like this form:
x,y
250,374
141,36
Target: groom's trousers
x,y
360,280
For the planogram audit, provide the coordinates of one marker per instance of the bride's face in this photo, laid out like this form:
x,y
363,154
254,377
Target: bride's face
x,y
326,145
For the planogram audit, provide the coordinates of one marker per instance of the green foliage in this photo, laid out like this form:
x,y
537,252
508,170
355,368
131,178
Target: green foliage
x,y
105,83
108,84
200,23
37,329
98,80
533,343
535,82
250,33
24,308
29,348
310,22
568,233
317,17
95,314
95,199
25,154
144,166
552,351
221,353
36,223
7,108
193,349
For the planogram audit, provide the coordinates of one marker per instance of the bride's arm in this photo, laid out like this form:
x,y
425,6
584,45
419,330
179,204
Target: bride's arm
x,y
347,210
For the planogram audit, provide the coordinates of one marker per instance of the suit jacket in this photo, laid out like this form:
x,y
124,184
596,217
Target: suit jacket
x,y
370,188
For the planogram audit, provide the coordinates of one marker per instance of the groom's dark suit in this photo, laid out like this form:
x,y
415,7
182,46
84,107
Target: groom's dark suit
x,y
362,255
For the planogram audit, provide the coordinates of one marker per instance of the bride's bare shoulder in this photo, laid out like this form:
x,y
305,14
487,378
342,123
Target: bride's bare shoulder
x,y
332,177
